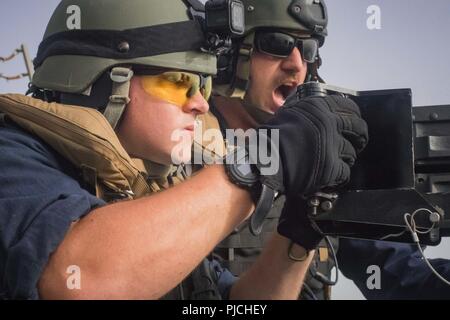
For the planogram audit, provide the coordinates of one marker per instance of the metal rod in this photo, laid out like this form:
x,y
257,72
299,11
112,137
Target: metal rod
x,y
28,62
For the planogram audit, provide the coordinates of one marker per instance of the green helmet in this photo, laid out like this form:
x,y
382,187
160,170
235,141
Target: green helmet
x,y
85,38
309,16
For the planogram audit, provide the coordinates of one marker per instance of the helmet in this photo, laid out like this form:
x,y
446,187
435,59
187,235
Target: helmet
x,y
85,38
305,16
91,47
309,16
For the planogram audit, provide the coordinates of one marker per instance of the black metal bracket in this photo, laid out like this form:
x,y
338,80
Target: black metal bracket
x,y
405,167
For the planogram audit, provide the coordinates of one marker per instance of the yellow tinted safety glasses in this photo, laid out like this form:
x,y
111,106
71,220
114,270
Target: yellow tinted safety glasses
x,y
177,87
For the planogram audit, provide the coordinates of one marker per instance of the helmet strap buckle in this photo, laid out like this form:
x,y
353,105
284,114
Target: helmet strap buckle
x,y
121,75
121,78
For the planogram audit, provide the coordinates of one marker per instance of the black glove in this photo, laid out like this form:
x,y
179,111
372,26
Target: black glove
x,y
296,225
319,138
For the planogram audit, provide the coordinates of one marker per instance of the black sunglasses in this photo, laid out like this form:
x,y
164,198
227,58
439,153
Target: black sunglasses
x,y
281,45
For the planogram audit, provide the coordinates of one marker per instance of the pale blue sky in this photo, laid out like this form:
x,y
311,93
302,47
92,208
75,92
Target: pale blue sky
x,y
410,51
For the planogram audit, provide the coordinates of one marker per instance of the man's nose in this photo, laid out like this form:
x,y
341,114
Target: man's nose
x,y
294,62
196,104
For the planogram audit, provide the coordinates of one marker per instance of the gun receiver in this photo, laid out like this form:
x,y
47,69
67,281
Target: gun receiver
x,y
405,167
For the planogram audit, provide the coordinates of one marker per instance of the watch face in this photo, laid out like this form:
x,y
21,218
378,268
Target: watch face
x,y
245,174
244,169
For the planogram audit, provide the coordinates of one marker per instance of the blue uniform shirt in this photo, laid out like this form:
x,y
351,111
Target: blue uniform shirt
x,y
404,275
40,197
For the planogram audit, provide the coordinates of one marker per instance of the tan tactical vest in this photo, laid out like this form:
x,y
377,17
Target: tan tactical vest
x,y
84,137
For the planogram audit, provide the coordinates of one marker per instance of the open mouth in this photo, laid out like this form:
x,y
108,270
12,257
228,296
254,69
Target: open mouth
x,y
283,92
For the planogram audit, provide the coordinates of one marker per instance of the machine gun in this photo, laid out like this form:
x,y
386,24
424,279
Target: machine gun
x,y
405,169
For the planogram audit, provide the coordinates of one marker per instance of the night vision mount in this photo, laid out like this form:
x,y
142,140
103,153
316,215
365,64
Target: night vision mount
x,y
225,17
222,20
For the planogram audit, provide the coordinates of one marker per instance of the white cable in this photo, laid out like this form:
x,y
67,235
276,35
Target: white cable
x,y
431,267
393,235
412,228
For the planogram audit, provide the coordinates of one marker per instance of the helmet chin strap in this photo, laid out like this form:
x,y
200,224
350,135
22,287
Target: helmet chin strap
x,y
313,71
121,78
239,85
262,116
241,80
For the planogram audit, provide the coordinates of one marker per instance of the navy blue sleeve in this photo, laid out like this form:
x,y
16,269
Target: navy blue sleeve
x,y
225,279
39,200
404,275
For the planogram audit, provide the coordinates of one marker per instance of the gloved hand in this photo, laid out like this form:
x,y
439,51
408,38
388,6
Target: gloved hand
x,y
319,138
296,225
319,141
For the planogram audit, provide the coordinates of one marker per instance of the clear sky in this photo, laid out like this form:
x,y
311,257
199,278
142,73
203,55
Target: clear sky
x,y
411,50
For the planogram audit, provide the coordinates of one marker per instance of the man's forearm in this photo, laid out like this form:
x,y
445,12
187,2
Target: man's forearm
x,y
274,276
143,248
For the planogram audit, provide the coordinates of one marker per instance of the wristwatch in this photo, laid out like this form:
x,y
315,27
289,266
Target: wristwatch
x,y
243,173
246,175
